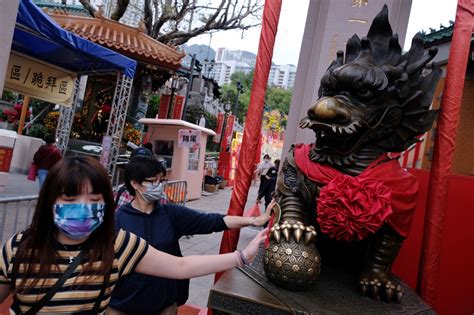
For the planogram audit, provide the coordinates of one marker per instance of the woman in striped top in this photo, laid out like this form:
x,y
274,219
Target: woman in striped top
x,y
73,224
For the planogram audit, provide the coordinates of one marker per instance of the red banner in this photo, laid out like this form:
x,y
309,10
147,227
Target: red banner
x,y
253,125
276,135
220,124
178,107
229,129
6,155
164,106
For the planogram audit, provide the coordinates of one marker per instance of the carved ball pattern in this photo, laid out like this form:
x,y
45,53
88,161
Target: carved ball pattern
x,y
292,265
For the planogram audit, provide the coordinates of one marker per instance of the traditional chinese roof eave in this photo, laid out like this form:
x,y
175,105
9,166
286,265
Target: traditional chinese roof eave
x,y
129,41
70,8
443,35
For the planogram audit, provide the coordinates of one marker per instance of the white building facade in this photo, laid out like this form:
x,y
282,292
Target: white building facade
x,y
231,61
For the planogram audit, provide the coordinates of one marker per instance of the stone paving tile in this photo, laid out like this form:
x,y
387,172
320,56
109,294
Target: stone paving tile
x,y
19,185
210,244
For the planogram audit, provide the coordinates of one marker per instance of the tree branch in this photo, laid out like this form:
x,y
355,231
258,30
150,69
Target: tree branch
x,y
119,11
169,21
88,6
148,16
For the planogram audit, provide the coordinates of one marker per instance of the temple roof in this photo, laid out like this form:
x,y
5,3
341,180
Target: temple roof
x,y
436,37
129,41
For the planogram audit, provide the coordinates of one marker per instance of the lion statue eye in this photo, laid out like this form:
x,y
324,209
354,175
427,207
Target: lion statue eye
x,y
365,94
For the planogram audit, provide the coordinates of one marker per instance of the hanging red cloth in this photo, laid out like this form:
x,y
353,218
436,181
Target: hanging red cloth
x,y
443,153
253,123
349,208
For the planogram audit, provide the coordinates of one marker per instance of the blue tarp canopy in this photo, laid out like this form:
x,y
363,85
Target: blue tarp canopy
x,y
38,35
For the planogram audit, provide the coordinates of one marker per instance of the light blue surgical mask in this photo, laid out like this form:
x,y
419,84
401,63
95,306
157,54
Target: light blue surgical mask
x,y
153,192
78,220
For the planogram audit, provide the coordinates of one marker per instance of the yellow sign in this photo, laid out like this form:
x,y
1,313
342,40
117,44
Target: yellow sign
x,y
39,80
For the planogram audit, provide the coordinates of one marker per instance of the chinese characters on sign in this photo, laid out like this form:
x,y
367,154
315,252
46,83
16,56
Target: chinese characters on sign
x,y
178,107
39,80
164,106
189,138
220,125
229,129
359,3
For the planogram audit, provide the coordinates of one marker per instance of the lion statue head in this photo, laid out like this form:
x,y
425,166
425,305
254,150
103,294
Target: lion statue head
x,y
373,96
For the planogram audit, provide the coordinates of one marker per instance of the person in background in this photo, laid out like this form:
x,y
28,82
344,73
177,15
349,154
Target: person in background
x,y
71,257
262,170
148,146
161,226
121,195
270,183
46,157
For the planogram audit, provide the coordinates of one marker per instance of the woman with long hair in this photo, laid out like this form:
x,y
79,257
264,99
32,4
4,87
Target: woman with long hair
x,y
71,256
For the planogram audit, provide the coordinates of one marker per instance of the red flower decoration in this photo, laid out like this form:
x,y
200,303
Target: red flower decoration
x,y
349,208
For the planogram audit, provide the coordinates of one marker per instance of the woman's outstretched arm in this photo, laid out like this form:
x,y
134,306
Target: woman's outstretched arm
x,y
160,264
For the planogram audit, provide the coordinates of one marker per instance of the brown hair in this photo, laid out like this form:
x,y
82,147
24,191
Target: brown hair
x,y
68,177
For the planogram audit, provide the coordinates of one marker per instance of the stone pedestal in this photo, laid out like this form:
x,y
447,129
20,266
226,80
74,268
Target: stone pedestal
x,y
247,291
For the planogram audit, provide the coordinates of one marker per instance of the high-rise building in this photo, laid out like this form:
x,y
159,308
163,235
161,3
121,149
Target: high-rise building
x,y
224,54
282,76
230,61
222,71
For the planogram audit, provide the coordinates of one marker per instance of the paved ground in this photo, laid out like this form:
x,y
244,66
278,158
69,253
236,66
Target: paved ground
x,y
18,185
209,244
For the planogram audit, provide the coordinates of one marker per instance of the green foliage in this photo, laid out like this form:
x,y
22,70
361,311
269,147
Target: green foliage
x,y
193,114
244,78
275,98
278,99
38,106
9,96
153,106
229,92
37,131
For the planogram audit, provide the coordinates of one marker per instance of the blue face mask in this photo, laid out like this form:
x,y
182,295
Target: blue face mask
x,y
153,192
78,220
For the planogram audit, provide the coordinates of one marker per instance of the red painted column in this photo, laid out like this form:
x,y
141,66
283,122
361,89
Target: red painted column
x,y
444,151
253,123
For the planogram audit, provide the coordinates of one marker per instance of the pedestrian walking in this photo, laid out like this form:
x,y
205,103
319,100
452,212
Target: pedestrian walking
x,y
46,157
270,183
161,225
71,256
262,170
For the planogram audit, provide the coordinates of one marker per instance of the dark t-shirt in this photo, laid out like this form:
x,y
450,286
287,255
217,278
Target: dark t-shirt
x,y
162,228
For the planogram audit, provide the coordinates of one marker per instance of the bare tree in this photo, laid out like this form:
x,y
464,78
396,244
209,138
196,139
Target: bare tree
x,y
174,22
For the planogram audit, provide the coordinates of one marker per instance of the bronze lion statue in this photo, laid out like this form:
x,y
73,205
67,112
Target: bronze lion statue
x,y
342,200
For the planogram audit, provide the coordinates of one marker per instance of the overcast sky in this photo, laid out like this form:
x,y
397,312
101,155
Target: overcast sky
x,y
424,14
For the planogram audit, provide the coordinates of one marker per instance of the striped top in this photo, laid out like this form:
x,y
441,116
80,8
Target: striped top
x,y
75,295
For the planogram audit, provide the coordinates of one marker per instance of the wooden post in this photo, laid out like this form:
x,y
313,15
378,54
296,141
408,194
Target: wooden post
x,y
21,124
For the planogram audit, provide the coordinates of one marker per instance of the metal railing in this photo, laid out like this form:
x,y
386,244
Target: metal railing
x,y
16,212
176,191
15,215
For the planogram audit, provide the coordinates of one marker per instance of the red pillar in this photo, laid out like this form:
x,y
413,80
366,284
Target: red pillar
x,y
253,123
444,151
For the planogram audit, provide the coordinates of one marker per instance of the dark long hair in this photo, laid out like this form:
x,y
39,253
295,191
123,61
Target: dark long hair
x,y
68,177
